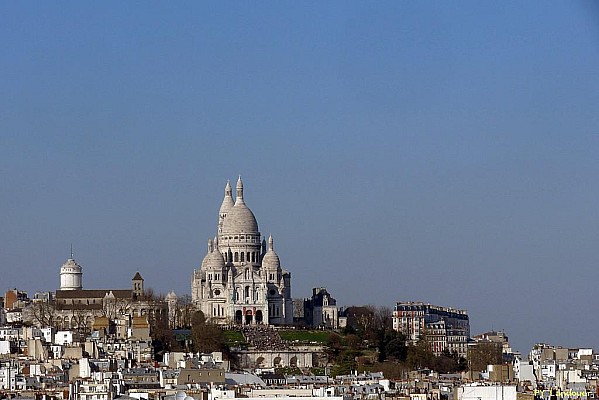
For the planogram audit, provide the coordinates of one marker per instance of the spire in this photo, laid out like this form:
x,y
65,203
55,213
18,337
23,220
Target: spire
x,y
239,191
228,189
210,248
271,245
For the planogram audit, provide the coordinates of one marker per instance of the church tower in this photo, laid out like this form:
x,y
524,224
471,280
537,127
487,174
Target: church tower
x,y
137,285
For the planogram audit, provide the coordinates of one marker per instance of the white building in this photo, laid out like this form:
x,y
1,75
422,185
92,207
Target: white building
x,y
4,347
64,338
10,379
524,370
241,280
71,275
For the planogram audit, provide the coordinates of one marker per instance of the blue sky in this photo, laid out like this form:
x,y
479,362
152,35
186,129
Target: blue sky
x,y
434,151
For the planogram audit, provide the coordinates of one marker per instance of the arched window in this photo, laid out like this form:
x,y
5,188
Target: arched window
x,y
248,256
247,292
236,256
242,254
253,256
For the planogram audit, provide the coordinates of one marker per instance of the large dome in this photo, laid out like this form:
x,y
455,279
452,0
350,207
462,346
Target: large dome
x,y
240,219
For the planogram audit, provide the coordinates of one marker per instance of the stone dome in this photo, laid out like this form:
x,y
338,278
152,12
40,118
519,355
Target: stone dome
x,y
171,296
71,266
240,219
213,260
271,258
71,275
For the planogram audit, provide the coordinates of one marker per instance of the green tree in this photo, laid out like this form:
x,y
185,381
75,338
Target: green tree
x,y
396,348
445,363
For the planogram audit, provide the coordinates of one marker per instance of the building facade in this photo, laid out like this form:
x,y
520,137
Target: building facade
x,y
321,310
241,280
444,328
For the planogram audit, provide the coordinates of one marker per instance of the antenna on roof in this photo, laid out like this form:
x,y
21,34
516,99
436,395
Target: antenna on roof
x,y
71,251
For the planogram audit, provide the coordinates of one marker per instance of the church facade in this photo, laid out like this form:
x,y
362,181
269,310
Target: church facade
x,y
240,280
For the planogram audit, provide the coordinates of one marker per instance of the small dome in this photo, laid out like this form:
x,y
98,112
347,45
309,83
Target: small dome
x,y
181,395
271,258
71,265
171,296
213,260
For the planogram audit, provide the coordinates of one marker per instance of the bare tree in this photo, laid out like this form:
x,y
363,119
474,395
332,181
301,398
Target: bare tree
x,y
41,314
115,307
79,320
185,310
383,318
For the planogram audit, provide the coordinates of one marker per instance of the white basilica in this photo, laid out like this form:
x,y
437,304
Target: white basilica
x,y
241,280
